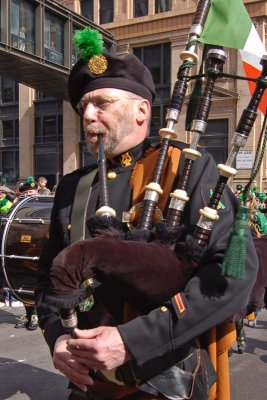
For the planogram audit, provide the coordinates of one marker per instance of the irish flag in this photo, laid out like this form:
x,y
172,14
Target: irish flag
x,y
228,24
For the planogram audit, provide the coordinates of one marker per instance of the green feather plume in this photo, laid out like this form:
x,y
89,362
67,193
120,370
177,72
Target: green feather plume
x,y
88,42
30,179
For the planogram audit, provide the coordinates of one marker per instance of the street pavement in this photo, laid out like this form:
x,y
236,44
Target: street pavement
x,y
27,372
249,370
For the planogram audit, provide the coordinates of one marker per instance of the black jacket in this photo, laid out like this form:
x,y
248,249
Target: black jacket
x,y
158,339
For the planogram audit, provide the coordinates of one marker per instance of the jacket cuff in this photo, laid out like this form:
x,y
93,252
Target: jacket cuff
x,y
137,337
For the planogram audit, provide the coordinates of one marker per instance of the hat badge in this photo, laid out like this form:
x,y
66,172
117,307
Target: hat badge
x,y
98,64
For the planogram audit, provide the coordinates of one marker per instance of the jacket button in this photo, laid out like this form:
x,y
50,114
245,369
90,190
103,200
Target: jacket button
x,y
111,175
163,309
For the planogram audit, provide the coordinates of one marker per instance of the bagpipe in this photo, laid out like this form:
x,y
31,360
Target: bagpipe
x,y
163,251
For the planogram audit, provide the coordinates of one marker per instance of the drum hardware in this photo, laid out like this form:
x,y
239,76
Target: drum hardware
x,y
22,291
29,220
22,257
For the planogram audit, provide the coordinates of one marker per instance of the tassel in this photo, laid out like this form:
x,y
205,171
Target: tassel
x,y
235,257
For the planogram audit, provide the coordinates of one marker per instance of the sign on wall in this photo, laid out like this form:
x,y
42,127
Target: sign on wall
x,y
244,159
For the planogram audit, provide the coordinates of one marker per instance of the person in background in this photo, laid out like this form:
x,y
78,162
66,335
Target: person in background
x,y
30,320
44,191
10,300
19,183
22,38
5,203
262,206
42,182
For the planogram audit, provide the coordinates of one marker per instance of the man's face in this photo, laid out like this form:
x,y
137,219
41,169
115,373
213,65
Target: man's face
x,y
2,195
110,112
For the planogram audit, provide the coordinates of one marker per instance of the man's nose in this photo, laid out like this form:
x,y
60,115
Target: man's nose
x,y
90,112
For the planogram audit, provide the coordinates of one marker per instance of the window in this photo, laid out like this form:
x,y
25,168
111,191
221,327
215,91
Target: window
x,y
48,129
9,164
162,6
23,25
54,39
49,162
48,138
106,11
140,8
9,132
215,139
42,96
1,23
75,55
87,9
9,90
157,59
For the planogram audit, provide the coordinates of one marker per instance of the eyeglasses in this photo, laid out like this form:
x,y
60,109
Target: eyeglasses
x,y
101,104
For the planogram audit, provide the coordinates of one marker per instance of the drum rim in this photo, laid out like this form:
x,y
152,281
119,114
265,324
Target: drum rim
x,y
4,237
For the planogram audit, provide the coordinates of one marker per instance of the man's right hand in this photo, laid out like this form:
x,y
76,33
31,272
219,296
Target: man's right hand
x,y
69,365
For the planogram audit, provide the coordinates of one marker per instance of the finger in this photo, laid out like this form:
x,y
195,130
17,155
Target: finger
x,y
87,359
81,344
82,353
82,379
79,365
87,333
78,384
83,360
71,367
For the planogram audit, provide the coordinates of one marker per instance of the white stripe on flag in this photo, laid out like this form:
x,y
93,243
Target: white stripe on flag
x,y
254,44
251,59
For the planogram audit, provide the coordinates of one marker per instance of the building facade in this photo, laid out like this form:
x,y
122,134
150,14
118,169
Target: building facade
x,y
47,134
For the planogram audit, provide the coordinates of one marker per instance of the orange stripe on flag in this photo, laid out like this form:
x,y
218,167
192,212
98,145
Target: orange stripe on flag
x,y
252,72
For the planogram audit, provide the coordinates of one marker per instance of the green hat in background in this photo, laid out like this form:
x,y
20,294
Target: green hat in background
x,y
255,189
262,197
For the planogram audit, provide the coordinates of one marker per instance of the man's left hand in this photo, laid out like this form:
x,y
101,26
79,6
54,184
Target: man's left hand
x,y
101,348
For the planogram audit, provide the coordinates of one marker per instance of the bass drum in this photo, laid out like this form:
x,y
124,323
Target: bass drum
x,y
24,231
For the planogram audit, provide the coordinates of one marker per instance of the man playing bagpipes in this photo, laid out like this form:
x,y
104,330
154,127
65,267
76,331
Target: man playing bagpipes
x,y
154,296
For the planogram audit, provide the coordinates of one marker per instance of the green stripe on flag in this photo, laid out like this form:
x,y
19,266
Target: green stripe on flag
x,y
228,24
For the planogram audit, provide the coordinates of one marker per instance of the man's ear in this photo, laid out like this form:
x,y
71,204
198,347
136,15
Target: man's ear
x,y
144,110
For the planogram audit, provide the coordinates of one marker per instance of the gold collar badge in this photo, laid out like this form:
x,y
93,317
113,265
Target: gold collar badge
x,y
98,64
126,160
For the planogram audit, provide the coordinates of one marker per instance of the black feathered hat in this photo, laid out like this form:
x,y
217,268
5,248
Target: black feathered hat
x,y
97,69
